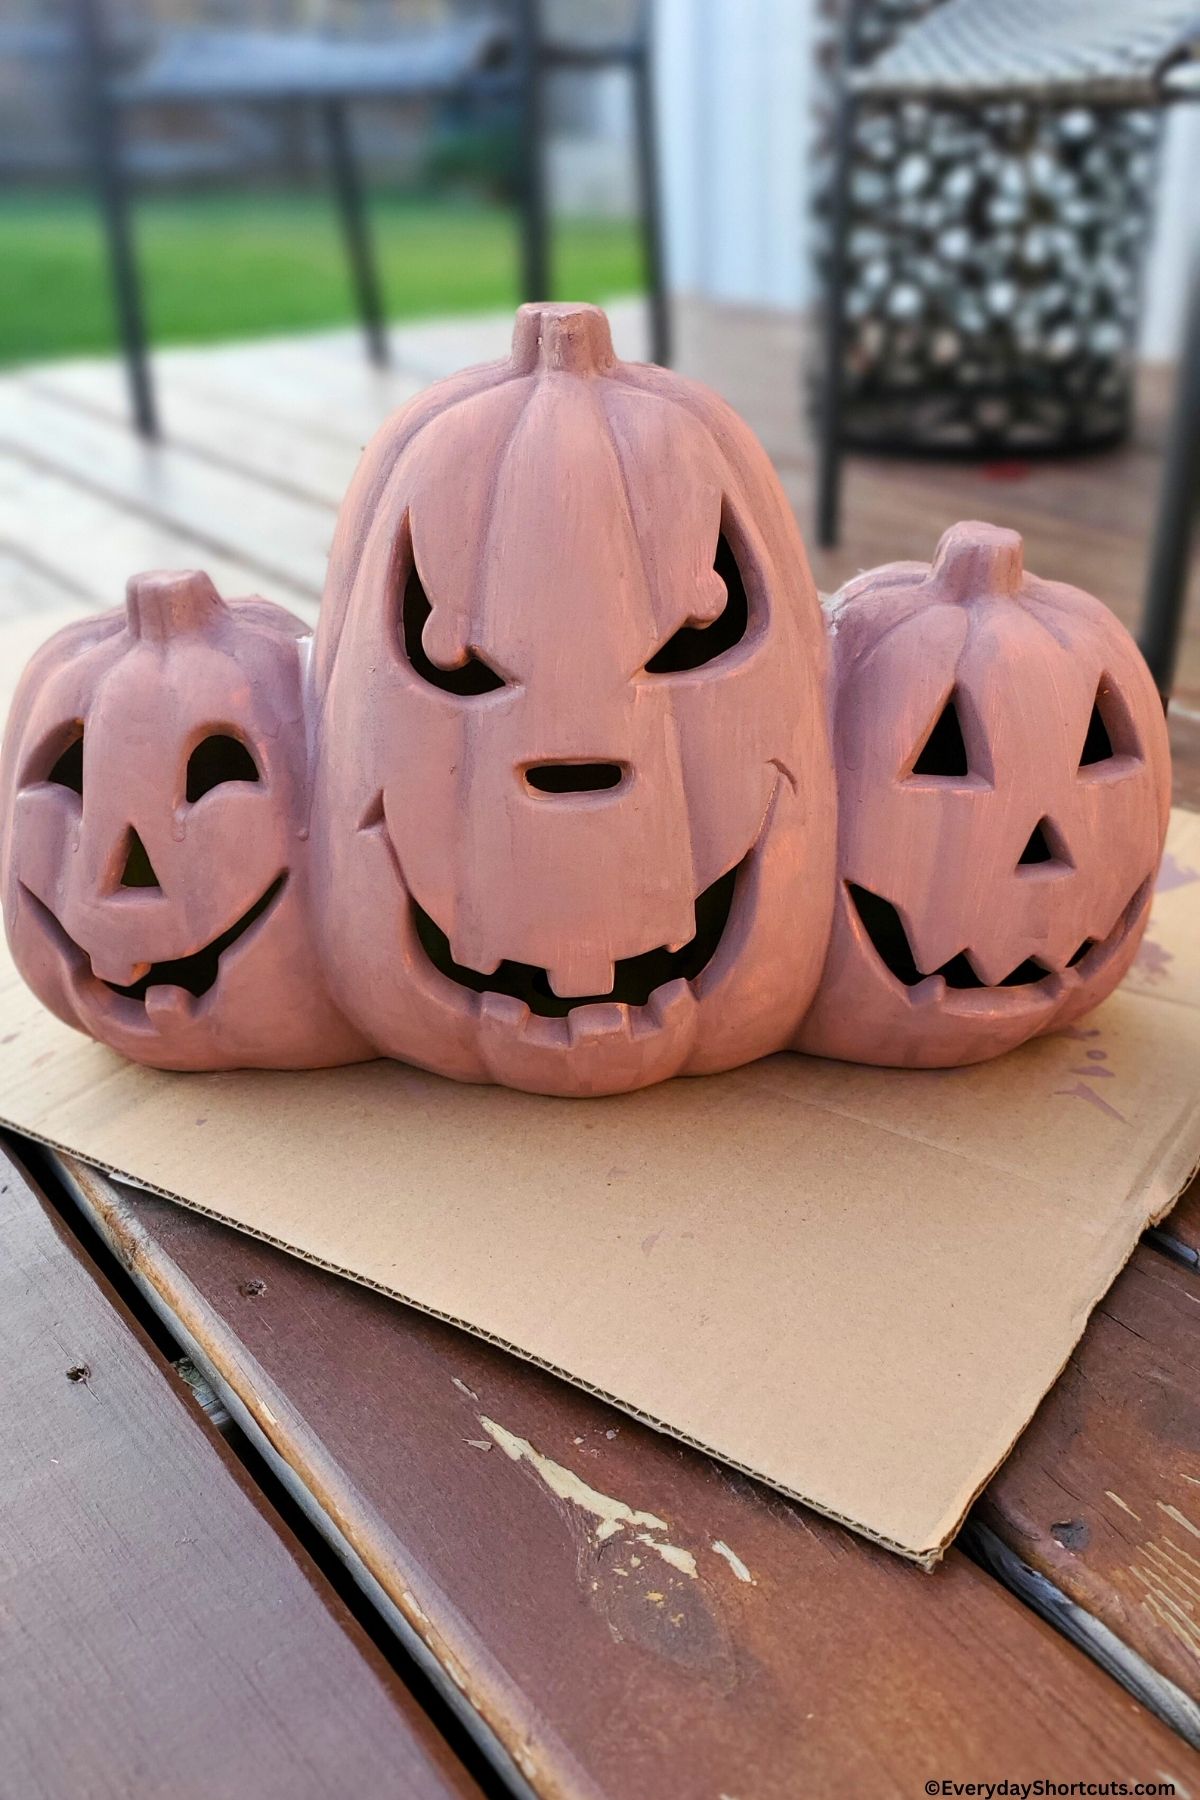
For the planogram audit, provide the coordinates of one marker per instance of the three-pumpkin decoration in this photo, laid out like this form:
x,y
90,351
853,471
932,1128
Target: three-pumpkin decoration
x,y
553,799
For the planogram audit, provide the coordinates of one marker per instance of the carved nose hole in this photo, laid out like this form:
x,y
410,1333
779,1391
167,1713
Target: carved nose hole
x,y
1037,850
139,870
574,777
1045,850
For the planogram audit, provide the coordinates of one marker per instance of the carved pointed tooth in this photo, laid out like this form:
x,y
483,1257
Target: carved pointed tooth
x,y
583,974
120,970
587,1024
934,941
992,967
167,1004
504,1010
469,956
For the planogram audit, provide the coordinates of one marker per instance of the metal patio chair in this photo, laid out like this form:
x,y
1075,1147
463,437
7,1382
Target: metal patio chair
x,y
508,56
1048,53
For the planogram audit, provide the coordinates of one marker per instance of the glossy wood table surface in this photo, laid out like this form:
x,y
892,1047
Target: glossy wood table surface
x,y
800,1661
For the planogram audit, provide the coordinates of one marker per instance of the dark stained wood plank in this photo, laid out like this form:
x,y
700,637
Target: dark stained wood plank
x,y
626,1617
1102,1493
1179,1232
162,1636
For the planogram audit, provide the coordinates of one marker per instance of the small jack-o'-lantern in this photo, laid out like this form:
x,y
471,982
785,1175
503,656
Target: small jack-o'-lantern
x,y
1004,785
154,792
575,792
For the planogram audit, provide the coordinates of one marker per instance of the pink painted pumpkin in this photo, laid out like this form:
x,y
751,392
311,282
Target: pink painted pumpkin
x,y
563,742
574,799
1004,786
155,782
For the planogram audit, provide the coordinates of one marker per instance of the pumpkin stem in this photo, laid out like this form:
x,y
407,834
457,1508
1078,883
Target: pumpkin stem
x,y
164,603
973,560
573,338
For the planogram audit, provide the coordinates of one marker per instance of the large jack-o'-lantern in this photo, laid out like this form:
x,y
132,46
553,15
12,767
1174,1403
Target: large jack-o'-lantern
x,y
1004,786
155,783
575,794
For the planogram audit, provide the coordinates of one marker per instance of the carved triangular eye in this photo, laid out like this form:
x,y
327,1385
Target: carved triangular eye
x,y
1037,850
944,752
1097,745
139,870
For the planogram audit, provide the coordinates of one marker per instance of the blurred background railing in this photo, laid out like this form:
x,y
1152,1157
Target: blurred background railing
x,y
217,116
1015,278
742,90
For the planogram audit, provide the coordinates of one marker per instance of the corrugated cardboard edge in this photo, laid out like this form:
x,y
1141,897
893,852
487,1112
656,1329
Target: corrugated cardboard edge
x,y
927,1558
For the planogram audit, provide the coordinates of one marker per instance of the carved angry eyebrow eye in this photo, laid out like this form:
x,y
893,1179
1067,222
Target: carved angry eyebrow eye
x,y
67,768
694,645
473,677
218,758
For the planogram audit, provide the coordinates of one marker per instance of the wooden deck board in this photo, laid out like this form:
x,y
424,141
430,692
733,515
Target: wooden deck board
x,y
87,544
796,1660
283,537
1085,519
1180,1230
28,591
1102,1493
300,462
162,1635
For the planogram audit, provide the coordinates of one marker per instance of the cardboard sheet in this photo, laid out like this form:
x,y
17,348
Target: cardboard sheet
x,y
854,1283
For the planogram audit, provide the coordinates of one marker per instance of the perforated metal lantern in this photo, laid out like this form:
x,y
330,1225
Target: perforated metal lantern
x,y
993,258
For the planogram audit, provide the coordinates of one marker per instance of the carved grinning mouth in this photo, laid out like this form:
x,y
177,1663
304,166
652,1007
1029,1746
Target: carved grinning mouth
x,y
635,977
885,928
195,974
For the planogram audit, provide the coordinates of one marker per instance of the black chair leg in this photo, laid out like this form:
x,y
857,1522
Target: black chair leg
x,y
112,193
832,375
531,176
1166,588
348,193
650,195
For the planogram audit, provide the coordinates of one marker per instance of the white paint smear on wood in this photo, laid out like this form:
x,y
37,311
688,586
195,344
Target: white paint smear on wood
x,y
734,1560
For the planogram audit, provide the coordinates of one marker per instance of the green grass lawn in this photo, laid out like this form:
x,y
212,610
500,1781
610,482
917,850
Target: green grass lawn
x,y
236,266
